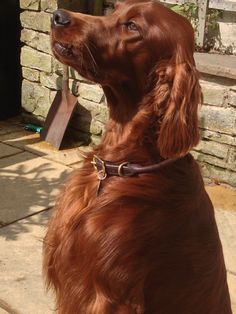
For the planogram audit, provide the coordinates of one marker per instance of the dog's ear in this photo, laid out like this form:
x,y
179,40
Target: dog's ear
x,y
178,94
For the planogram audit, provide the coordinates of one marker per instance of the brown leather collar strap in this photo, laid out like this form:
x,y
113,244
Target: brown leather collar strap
x,y
125,169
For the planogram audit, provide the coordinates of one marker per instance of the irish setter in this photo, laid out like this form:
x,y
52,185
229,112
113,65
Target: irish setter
x,y
134,230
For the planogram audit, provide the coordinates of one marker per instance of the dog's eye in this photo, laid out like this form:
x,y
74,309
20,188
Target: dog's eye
x,y
131,26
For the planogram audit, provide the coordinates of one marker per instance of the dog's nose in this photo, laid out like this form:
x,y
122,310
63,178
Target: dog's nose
x,y
60,18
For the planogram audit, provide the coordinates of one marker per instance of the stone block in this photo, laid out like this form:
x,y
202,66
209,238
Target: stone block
x,y
30,5
88,125
52,95
51,80
49,5
98,111
27,96
43,104
35,98
30,74
232,98
57,66
37,40
218,137
40,21
213,94
95,140
35,59
209,159
96,127
218,119
232,159
213,148
218,174
91,92
75,75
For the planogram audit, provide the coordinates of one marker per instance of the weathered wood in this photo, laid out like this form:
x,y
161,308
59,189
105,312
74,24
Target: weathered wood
x,y
202,11
223,5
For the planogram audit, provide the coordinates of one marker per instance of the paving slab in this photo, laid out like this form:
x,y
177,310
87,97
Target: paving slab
x,y
15,159
29,186
20,138
46,150
6,150
6,127
31,142
22,285
232,286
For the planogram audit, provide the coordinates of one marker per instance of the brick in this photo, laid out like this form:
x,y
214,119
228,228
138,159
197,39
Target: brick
x,y
49,5
213,148
30,74
86,124
232,159
232,98
35,98
98,112
75,75
218,174
213,94
36,20
51,80
36,60
30,4
37,40
209,159
91,92
218,119
57,66
218,137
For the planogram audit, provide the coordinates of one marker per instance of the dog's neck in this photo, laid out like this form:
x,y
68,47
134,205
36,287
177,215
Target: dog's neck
x,y
123,100
129,122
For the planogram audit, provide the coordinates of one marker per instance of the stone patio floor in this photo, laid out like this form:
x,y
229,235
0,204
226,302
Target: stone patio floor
x,y
31,173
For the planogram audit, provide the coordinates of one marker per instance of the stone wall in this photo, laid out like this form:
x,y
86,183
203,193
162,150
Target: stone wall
x,y
216,152
42,74
42,77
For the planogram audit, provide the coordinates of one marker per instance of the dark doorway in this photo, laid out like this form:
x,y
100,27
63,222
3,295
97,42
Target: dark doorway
x,y
9,59
94,7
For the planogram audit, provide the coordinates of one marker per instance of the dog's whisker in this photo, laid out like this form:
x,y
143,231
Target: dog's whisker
x,y
92,57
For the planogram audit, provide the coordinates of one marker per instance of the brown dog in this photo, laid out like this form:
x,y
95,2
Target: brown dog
x,y
146,241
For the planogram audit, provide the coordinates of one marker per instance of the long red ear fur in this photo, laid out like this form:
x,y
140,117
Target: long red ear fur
x,y
178,132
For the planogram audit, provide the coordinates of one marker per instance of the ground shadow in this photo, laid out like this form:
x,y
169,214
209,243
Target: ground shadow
x,y
26,191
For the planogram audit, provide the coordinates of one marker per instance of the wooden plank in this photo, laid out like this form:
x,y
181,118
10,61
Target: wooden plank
x,y
174,1
202,11
223,5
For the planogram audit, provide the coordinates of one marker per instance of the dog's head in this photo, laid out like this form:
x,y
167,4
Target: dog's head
x,y
147,44
126,43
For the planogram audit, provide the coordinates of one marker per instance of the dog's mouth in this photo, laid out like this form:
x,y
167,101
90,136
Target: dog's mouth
x,y
65,50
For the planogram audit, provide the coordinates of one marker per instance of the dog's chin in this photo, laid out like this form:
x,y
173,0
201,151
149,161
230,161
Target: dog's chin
x,y
64,52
